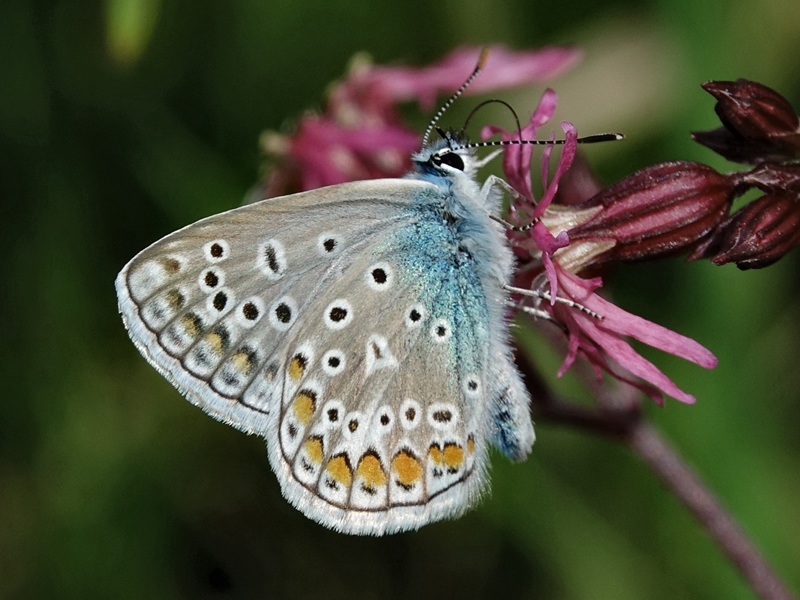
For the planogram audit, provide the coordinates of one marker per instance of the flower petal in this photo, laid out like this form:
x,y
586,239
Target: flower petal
x,y
504,68
600,338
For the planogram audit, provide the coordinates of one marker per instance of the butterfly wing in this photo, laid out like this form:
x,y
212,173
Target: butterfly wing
x,y
190,300
384,427
343,326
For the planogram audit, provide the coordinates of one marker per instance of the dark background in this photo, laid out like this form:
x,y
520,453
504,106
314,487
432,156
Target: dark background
x,y
123,120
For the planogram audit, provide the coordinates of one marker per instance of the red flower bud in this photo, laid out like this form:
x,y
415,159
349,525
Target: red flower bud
x,y
759,233
759,123
658,211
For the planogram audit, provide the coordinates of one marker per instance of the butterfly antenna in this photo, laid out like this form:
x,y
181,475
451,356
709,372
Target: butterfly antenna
x,y
481,62
492,101
588,139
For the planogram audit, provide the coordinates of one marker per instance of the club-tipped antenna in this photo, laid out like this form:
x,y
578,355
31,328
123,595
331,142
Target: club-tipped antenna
x,y
588,139
481,62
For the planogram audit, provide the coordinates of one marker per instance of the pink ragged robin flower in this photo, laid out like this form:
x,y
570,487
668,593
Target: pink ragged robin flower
x,y
360,135
601,340
595,327
666,209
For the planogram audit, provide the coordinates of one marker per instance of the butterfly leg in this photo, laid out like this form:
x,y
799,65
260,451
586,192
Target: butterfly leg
x,y
545,295
492,189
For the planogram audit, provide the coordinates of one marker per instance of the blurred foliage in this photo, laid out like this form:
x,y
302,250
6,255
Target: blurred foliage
x,y
123,120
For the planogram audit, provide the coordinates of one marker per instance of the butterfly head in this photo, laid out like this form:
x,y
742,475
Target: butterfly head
x,y
450,157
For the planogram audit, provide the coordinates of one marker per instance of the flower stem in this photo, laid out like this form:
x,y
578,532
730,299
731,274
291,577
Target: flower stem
x,y
645,441
627,425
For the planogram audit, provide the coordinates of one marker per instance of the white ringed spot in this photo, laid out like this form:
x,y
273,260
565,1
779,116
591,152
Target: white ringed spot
x,y
441,331
415,315
354,425
250,311
216,251
472,386
333,414
333,362
271,259
282,313
338,314
211,279
410,414
380,276
383,420
221,301
329,244
442,416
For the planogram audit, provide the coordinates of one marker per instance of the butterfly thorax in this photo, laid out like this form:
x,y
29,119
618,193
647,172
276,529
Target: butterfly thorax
x,y
452,166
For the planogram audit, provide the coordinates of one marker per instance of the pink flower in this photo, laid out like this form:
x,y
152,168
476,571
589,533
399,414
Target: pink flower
x,y
382,88
516,166
360,134
321,153
595,327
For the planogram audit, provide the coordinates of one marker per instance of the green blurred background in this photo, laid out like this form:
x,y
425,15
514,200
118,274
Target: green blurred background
x,y
123,120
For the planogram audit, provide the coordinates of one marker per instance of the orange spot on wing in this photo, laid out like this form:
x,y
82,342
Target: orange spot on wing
x,y
216,343
242,362
192,324
371,471
175,299
453,456
435,454
407,468
297,367
305,403
314,449
339,470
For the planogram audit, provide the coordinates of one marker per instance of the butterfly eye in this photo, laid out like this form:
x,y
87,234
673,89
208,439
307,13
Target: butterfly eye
x,y
451,159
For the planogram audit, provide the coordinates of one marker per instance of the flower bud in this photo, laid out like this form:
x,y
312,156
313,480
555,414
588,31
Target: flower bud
x,y
759,123
658,211
759,233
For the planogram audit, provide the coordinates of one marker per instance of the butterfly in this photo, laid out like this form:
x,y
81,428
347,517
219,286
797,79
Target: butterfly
x,y
360,328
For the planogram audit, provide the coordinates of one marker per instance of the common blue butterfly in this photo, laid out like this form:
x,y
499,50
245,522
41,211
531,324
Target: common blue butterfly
x,y
360,328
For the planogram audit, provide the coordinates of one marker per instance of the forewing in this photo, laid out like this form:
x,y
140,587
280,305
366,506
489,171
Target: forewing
x,y
210,305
